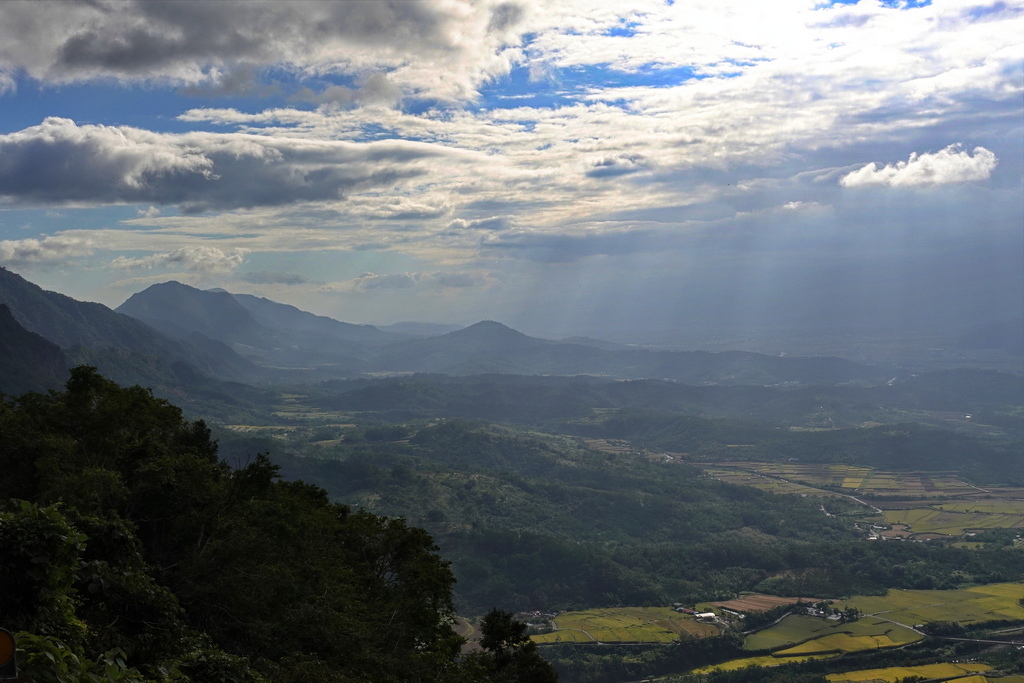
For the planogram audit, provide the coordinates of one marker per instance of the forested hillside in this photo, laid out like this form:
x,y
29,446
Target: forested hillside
x,y
536,521
133,553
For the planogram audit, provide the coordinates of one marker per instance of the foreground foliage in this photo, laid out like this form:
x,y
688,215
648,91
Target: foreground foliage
x,y
133,553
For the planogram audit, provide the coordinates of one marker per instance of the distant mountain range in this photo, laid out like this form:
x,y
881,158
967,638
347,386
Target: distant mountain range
x,y
178,337
273,334
44,333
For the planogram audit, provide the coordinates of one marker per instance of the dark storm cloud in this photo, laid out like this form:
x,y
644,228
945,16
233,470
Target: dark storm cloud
x,y
146,35
59,162
223,45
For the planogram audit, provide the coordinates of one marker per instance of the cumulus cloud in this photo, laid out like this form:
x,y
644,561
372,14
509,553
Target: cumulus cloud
x,y
202,259
50,248
60,162
950,165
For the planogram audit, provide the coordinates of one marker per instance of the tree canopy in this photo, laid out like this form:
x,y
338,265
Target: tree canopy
x,y
133,553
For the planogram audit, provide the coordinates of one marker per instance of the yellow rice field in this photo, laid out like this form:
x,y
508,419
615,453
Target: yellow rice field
x,y
766,661
625,625
895,673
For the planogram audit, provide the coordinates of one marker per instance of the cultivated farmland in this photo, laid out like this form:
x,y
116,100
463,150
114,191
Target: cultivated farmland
x,y
758,603
625,625
892,674
805,635
931,520
851,479
765,661
968,606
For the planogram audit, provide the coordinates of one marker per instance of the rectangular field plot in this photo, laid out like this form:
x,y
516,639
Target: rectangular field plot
x,y
766,661
562,637
758,603
895,673
625,625
967,606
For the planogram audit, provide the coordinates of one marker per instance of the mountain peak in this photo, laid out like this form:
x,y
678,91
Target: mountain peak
x,y
178,309
488,329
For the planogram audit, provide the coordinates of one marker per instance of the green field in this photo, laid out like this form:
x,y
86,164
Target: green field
x,y
992,507
944,521
625,625
967,606
804,635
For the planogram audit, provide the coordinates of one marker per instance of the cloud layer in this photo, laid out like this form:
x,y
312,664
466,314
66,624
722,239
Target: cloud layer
x,y
513,153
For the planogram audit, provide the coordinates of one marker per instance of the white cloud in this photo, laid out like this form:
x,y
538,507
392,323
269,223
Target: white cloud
x,y
491,223
47,249
950,165
203,259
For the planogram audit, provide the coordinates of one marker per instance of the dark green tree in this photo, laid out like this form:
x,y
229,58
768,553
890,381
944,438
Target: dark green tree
x,y
509,656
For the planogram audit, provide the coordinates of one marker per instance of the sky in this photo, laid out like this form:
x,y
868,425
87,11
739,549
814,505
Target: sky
x,y
639,171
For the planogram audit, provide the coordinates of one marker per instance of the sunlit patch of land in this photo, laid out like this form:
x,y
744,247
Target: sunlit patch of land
x,y
942,671
766,661
626,625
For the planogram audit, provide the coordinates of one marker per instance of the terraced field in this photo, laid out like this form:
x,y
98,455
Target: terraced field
x,y
625,625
